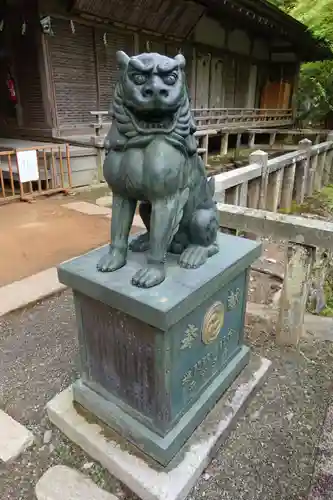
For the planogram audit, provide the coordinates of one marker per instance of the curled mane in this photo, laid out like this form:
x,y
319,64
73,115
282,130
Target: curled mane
x,y
181,136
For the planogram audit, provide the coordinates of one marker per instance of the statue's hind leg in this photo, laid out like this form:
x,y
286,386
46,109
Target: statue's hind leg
x,y
203,233
140,243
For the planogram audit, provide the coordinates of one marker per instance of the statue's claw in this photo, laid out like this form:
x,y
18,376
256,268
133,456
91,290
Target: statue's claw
x,y
112,261
148,277
193,256
140,243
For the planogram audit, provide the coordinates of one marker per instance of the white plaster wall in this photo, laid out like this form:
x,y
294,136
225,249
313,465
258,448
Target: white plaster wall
x,y
239,42
210,32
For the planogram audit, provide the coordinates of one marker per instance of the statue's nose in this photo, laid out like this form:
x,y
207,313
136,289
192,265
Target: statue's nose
x,y
154,91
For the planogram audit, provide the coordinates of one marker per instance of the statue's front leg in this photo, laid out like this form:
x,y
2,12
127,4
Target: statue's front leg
x,y
161,232
123,210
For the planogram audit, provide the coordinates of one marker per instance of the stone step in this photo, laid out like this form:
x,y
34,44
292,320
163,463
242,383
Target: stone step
x,y
62,483
14,438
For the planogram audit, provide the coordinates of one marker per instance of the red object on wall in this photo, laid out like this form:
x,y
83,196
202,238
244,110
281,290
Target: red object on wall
x,y
11,89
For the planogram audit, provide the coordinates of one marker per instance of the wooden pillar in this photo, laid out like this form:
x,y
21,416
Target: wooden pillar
x,y
297,275
239,140
272,138
136,43
252,140
261,158
302,171
224,144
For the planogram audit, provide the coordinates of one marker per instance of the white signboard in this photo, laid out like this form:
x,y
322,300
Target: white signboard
x,y
27,165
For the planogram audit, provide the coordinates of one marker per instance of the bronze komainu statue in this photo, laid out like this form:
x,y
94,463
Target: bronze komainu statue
x,y
152,158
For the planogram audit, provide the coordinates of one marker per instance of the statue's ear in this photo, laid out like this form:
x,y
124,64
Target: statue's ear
x,y
122,59
180,60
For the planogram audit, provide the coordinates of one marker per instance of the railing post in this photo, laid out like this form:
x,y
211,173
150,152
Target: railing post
x,y
261,158
329,159
312,174
302,171
274,189
288,187
319,173
297,275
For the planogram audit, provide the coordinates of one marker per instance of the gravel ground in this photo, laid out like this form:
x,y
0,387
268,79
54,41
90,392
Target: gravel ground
x,y
270,455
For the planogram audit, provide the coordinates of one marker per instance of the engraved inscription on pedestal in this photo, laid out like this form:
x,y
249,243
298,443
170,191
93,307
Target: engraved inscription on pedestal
x,y
191,334
208,339
233,298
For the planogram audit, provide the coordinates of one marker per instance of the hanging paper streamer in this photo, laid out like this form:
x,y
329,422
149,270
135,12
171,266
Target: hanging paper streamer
x,y
105,40
45,23
72,27
24,28
2,24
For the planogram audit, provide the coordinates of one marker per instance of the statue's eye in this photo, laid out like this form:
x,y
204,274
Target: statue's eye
x,y
139,78
170,79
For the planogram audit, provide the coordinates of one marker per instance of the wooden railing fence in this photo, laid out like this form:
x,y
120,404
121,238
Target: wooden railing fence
x,y
46,170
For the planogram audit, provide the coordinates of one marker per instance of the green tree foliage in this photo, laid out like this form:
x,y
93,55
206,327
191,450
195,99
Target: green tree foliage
x,y
315,96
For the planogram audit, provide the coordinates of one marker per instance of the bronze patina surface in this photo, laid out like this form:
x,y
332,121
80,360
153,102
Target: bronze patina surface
x,y
152,159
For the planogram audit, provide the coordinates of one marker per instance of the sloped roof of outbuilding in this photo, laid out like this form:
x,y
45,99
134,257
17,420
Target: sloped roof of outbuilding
x,y
264,17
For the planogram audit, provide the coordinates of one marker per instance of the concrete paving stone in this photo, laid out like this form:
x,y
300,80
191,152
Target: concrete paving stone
x,y
142,477
104,201
62,483
29,290
87,208
99,209
14,438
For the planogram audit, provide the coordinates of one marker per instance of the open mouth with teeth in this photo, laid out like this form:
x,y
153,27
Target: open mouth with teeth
x,y
154,121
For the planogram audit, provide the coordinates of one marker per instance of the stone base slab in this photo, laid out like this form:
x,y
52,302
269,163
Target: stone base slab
x,y
149,480
160,448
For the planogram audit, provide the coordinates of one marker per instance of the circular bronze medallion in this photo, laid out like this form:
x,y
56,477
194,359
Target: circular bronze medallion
x,y
213,322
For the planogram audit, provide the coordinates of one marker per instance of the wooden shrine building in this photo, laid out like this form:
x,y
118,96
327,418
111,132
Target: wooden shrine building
x,y
58,57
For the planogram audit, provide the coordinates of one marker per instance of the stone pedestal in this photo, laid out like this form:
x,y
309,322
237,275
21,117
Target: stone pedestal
x,y
155,362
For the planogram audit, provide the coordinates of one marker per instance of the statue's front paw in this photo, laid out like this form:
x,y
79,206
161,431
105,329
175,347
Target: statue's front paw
x,y
193,257
148,277
140,243
112,261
